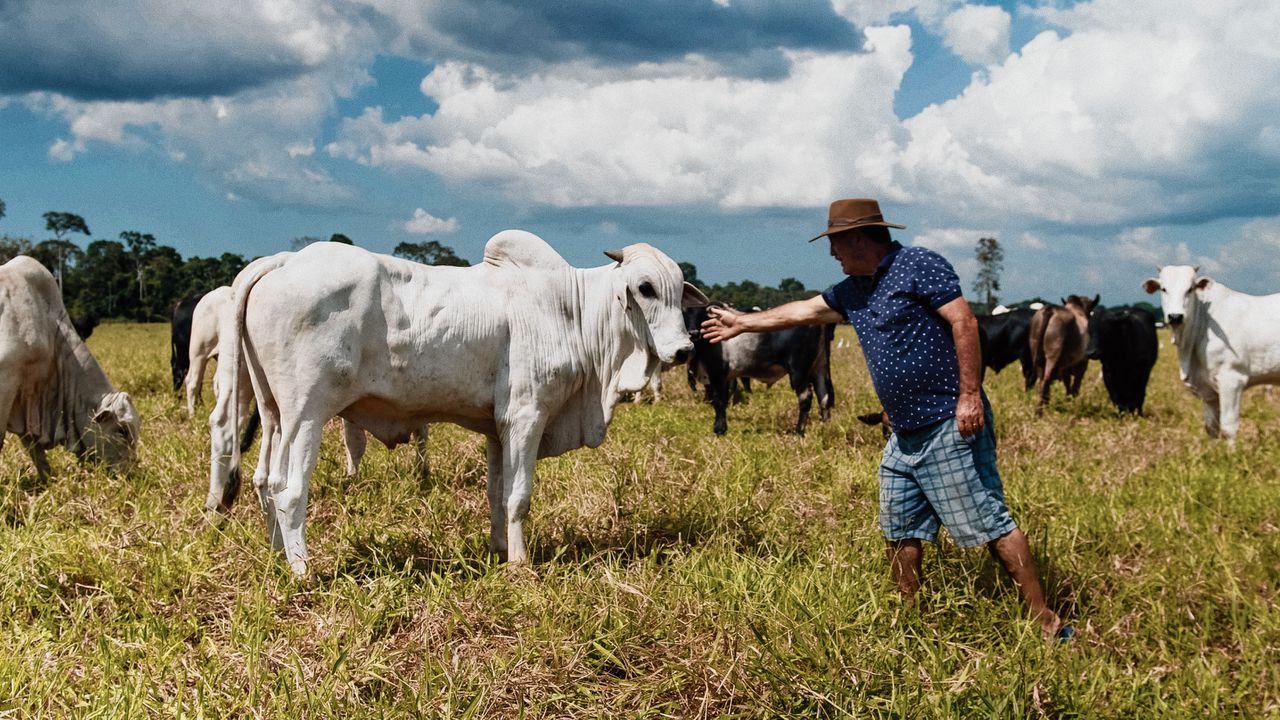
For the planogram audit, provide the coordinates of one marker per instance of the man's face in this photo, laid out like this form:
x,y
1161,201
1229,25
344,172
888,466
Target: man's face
x,y
857,253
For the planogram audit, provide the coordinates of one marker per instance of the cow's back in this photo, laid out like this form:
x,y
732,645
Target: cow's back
x,y
31,312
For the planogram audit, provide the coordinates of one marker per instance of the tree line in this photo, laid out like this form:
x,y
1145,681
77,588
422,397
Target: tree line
x,y
137,278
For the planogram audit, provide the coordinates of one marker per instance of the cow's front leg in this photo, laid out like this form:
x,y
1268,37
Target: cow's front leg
x,y
1230,389
1211,415
497,514
1074,377
43,470
289,488
422,461
804,396
519,455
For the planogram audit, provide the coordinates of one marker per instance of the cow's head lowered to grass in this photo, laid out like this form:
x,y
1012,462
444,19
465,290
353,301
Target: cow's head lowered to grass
x,y
1176,283
111,435
653,292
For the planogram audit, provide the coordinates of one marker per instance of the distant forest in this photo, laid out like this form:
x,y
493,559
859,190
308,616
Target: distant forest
x,y
137,278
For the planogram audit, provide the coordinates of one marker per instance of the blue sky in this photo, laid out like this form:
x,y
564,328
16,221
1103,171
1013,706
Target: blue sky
x,y
1095,140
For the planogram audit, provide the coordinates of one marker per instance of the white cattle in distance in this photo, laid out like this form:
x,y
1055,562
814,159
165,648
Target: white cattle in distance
x,y
523,348
1226,341
52,390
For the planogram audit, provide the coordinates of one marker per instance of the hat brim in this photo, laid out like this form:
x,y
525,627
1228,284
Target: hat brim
x,y
842,228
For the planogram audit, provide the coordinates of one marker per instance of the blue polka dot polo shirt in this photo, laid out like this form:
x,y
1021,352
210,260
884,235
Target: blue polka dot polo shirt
x,y
908,346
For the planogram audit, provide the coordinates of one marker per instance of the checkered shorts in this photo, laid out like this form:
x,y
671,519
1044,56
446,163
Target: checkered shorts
x,y
934,476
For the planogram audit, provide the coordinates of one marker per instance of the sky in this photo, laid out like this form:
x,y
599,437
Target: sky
x,y
1095,140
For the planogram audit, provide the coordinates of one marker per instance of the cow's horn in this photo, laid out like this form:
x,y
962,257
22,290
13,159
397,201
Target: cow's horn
x,y
614,255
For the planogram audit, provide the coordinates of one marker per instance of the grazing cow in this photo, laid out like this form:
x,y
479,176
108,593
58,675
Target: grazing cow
x,y
800,353
1005,338
1124,341
1059,337
523,348
1226,341
180,338
52,391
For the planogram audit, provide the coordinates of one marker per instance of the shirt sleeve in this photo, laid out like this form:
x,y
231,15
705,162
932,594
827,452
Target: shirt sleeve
x,y
936,281
833,300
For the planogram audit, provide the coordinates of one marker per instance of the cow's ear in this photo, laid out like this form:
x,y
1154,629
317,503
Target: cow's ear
x,y
692,297
1151,285
1096,299
614,255
1202,283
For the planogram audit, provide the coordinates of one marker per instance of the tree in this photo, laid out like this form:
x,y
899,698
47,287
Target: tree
x,y
429,253
140,245
300,242
61,223
340,238
990,264
1,208
12,247
691,275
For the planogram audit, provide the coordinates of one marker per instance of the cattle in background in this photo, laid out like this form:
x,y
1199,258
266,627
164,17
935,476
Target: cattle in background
x,y
1124,341
1226,341
202,341
803,354
52,390
1005,338
1059,338
85,324
180,338
522,348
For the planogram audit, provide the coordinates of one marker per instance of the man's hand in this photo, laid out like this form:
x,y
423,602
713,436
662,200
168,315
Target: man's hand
x,y
969,415
720,325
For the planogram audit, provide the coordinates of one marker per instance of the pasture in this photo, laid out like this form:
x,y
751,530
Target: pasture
x,y
675,574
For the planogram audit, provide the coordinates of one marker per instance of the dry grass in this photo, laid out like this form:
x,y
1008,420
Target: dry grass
x,y
677,574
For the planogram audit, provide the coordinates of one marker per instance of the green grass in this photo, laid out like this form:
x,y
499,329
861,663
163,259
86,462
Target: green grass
x,y
676,574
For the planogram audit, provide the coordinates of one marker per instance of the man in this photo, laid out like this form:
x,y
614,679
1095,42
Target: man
x,y
920,340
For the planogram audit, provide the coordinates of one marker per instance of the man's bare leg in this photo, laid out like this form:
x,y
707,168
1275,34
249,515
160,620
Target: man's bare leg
x,y
904,564
1015,553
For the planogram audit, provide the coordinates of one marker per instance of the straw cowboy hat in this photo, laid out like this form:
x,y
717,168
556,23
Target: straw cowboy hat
x,y
855,213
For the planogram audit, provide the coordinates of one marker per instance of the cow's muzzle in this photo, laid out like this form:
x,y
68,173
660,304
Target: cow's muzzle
x,y
682,356
1174,320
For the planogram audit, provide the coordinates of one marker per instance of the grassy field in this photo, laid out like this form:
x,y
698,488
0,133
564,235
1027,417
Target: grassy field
x,y
676,574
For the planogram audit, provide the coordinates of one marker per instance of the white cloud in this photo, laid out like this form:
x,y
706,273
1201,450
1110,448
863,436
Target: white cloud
x,y
423,223
570,142
978,33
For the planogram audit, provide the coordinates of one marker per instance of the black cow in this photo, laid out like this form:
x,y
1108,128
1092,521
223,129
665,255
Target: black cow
x,y
85,324
801,353
1124,340
180,338
1004,339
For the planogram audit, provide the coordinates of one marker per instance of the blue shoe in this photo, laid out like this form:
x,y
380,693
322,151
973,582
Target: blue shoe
x,y
1064,634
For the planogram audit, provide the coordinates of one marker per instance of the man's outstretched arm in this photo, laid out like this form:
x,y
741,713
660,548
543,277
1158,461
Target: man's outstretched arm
x,y
725,323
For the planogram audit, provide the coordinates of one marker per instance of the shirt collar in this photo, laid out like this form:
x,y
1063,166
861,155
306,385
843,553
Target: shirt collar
x,y
894,248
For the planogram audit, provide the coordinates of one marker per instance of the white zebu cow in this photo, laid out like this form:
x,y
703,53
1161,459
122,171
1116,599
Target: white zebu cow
x,y
52,391
203,347
207,324
1226,341
523,348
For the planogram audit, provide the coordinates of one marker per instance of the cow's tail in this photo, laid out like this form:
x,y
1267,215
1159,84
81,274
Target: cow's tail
x,y
1039,326
226,417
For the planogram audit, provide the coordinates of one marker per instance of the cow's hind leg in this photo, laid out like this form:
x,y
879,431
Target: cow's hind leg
x,y
497,517
354,442
300,445
804,395
194,381
1047,375
261,478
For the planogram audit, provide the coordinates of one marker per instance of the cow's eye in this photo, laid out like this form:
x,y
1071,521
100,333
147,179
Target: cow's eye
x,y
646,289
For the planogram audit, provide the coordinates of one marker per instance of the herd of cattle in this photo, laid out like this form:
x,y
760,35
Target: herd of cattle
x,y
532,353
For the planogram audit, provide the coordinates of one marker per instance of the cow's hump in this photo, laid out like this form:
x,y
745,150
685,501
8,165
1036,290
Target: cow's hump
x,y
519,248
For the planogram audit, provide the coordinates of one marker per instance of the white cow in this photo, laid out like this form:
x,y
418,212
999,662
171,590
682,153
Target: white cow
x,y
523,348
1226,341
203,346
208,319
52,391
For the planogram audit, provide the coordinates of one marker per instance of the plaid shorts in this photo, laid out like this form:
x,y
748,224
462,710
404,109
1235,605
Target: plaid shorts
x,y
934,476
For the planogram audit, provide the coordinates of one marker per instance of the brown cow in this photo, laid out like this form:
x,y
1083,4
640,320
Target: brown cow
x,y
1059,337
